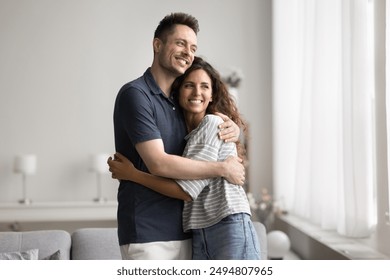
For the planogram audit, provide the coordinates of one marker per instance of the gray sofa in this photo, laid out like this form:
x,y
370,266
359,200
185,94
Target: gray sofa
x,y
82,244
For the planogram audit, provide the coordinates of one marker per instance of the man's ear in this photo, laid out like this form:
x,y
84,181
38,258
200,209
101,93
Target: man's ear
x,y
157,43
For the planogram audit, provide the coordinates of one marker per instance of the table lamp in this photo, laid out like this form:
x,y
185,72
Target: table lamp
x,y
26,165
98,164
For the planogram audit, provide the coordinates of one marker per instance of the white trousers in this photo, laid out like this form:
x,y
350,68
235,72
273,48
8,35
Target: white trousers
x,y
167,250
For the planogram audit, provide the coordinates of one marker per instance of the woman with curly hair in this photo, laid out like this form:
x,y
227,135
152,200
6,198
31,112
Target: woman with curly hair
x,y
215,211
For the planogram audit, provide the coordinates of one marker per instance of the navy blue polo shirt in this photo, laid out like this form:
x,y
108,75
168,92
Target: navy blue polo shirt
x,y
142,112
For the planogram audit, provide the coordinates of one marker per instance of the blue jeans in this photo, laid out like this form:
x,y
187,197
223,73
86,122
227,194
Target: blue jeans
x,y
233,238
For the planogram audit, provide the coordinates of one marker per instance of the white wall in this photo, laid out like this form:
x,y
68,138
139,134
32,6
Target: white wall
x,y
63,62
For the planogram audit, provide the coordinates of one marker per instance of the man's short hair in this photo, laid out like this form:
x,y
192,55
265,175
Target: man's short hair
x,y
168,23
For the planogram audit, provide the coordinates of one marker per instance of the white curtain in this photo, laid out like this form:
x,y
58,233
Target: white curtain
x,y
323,143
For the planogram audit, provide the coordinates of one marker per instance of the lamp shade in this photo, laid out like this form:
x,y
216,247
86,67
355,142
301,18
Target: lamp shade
x,y
25,164
98,163
278,244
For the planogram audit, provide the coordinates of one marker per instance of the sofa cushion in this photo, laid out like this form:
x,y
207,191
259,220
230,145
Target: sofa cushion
x,y
95,244
26,255
47,242
53,257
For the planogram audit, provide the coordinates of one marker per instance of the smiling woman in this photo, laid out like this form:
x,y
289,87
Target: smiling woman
x,y
195,96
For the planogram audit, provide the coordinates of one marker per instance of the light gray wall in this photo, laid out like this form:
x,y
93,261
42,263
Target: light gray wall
x,y
63,62
382,233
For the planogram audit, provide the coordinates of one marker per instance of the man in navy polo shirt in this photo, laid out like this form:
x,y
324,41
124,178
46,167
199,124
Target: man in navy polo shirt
x,y
150,130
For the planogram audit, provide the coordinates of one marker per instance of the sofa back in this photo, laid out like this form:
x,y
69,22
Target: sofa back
x,y
95,244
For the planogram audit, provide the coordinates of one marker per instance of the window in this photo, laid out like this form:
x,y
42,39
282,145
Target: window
x,y
324,114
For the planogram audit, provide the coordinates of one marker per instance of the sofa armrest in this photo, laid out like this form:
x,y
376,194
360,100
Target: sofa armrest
x,y
262,235
95,244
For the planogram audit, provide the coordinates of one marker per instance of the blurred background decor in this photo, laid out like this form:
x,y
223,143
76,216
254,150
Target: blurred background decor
x,y
25,165
262,207
98,164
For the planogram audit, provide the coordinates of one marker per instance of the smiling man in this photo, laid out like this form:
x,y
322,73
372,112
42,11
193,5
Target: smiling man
x,y
150,131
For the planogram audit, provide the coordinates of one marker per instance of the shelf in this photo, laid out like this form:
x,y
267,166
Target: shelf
x,y
58,211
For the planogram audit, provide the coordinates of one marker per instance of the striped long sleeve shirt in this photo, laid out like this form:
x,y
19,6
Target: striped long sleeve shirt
x,y
213,198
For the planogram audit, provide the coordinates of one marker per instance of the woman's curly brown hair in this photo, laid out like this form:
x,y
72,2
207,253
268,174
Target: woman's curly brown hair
x,y
222,100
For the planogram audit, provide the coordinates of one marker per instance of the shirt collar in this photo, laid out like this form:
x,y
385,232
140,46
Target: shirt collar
x,y
154,88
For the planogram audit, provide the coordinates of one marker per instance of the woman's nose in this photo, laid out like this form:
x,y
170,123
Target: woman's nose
x,y
197,91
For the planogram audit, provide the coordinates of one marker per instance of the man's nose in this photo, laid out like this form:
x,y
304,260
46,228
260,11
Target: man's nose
x,y
187,50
